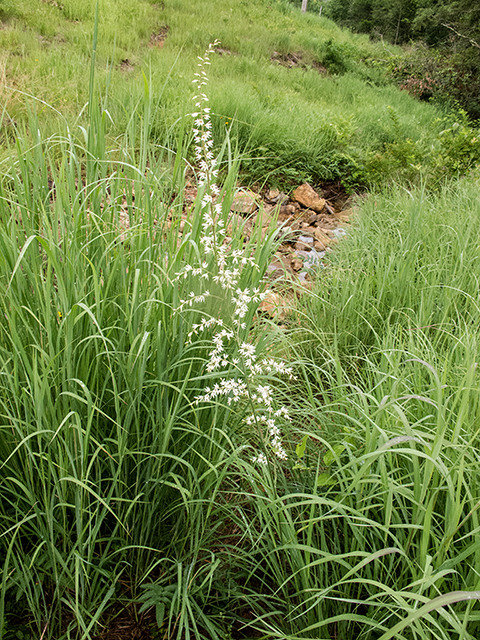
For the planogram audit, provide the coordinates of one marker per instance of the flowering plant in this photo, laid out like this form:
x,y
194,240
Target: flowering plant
x,y
221,265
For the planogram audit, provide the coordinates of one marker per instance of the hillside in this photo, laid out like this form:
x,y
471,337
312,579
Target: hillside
x,y
232,407
301,99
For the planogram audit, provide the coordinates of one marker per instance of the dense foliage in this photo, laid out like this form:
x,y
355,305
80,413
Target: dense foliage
x,y
450,71
455,22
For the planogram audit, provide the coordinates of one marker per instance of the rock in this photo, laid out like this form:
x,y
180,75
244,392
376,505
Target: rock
x,y
344,216
297,264
305,239
339,233
319,246
303,242
327,232
286,211
311,258
313,219
276,197
309,198
322,237
274,305
329,209
285,261
264,217
244,203
275,271
272,195
285,234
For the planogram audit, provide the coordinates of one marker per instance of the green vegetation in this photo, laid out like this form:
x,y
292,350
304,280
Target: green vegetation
x,y
156,453
445,66
332,116
401,20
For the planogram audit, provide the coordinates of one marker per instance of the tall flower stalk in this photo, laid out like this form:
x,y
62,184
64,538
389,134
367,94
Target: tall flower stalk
x,y
240,369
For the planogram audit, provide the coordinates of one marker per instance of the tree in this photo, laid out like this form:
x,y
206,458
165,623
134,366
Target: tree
x,y
450,23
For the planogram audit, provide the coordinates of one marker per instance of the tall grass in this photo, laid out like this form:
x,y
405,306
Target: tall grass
x,y
412,270
109,469
127,470
370,530
373,533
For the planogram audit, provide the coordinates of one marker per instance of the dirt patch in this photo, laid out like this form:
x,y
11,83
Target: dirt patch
x,y
53,3
289,60
294,60
334,192
158,37
320,68
126,66
127,624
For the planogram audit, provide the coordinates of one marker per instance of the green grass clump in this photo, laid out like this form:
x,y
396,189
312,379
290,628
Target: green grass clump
x,y
373,530
108,463
411,267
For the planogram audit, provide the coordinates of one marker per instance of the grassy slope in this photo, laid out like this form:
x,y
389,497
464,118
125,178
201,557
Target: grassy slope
x,y
297,123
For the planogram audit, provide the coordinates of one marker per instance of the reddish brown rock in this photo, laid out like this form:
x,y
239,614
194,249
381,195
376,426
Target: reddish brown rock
x,y
276,197
274,305
285,212
272,194
344,216
309,231
297,264
304,243
309,198
244,203
322,237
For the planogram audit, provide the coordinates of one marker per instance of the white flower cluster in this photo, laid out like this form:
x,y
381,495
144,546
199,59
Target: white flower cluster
x,y
188,270
193,299
217,355
239,363
213,234
234,389
203,326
